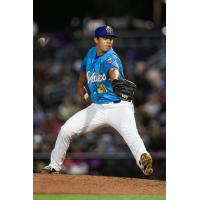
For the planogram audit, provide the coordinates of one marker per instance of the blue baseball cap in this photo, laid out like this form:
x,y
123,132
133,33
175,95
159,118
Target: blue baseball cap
x,y
105,31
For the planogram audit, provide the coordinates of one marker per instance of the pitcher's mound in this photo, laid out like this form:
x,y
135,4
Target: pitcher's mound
x,y
85,184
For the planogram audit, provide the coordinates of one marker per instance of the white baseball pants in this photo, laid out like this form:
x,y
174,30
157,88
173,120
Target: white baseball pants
x,y
120,116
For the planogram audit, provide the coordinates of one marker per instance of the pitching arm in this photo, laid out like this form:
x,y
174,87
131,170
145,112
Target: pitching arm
x,y
81,90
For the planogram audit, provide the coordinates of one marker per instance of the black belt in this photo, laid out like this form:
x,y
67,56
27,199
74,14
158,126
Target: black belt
x,y
118,101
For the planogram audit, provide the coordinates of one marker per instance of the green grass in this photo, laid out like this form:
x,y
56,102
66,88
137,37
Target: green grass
x,y
96,197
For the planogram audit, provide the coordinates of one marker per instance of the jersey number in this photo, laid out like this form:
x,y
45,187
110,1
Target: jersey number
x,y
102,88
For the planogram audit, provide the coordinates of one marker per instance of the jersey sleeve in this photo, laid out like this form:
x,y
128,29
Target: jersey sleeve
x,y
110,63
83,66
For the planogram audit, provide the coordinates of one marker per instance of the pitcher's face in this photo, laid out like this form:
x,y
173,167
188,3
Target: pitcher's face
x,y
103,44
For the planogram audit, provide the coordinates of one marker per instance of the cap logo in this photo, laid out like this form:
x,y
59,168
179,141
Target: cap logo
x,y
108,29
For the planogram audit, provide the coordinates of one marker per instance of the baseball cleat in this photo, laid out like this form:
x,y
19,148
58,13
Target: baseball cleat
x,y
146,164
48,170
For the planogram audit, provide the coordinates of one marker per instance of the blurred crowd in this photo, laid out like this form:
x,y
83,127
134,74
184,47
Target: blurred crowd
x,y
56,66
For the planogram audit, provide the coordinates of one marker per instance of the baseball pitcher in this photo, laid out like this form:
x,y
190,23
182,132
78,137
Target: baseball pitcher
x,y
102,80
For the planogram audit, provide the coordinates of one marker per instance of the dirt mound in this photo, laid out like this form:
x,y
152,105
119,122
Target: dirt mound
x,y
84,184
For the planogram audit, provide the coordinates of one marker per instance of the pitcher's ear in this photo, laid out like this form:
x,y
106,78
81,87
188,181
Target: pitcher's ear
x,y
96,40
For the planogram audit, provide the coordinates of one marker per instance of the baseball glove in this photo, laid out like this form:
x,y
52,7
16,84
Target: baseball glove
x,y
124,89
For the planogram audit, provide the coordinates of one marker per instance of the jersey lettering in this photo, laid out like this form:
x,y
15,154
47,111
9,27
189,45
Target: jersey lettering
x,y
95,77
98,82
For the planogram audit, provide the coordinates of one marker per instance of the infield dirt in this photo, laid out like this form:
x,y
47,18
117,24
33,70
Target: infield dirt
x,y
85,184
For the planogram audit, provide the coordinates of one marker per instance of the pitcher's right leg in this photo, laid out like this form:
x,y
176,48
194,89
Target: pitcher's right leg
x,y
82,122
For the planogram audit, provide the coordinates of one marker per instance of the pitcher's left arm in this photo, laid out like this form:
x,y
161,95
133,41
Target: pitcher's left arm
x,y
124,89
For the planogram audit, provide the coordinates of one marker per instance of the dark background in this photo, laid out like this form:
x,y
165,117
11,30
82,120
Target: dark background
x,y
56,15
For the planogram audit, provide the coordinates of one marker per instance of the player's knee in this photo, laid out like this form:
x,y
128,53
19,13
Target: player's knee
x,y
66,131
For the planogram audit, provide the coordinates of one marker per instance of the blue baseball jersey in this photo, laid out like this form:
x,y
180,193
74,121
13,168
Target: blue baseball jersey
x,y
98,83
